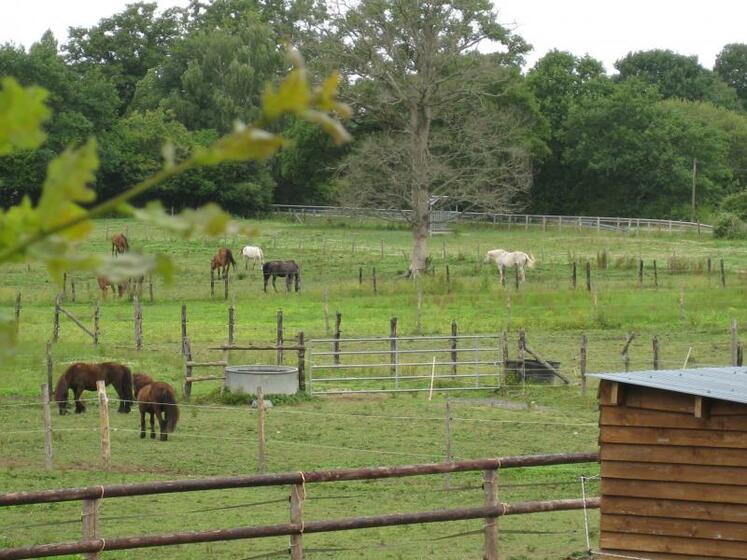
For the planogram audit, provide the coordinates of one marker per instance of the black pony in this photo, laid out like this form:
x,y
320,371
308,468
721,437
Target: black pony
x,y
285,269
83,377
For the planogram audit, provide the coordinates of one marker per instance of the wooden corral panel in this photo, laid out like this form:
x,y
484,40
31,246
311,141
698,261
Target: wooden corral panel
x,y
674,474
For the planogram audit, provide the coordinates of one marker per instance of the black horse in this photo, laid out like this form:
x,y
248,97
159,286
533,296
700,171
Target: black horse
x,y
285,269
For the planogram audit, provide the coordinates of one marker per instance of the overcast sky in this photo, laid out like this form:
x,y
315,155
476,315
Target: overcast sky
x,y
604,29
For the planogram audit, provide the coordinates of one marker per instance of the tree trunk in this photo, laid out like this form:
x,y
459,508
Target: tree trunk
x,y
420,120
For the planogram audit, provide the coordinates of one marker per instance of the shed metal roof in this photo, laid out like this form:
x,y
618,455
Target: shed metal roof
x,y
725,383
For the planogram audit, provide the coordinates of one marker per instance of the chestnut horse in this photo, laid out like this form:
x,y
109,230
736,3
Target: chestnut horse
x,y
104,285
119,244
83,377
157,399
222,260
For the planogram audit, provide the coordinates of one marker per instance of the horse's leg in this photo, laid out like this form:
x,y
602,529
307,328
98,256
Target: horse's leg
x,y
142,423
288,283
152,426
267,277
274,287
79,406
162,425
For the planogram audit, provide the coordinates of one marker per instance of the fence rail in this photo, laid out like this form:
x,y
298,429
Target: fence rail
x,y
545,221
492,509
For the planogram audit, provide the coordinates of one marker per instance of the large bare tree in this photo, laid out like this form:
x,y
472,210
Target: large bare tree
x,y
413,68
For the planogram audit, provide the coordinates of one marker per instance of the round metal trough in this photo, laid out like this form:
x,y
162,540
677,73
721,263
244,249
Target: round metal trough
x,y
274,380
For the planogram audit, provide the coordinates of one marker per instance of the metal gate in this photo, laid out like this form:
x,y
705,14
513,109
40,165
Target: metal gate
x,y
404,364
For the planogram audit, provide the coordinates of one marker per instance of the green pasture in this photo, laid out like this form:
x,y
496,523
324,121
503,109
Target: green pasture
x,y
689,310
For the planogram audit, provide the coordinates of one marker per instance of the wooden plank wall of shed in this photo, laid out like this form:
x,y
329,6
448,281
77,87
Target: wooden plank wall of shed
x,y
674,486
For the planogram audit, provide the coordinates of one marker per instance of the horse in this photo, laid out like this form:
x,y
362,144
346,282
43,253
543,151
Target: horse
x,y
254,254
157,399
518,259
119,244
494,254
222,260
288,269
83,377
104,285
140,380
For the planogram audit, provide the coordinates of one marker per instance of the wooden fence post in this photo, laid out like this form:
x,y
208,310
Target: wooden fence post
x,y
150,288
626,350
96,327
261,430
582,363
573,275
297,496
588,276
656,276
231,323
454,355
225,285
184,322
516,277
448,280
64,285
49,369
504,355
503,275
449,458
522,361
106,444
640,273
740,354
393,357
18,308
360,275
279,336
187,351
212,283
301,362
723,274
138,324
656,349
90,521
490,488
338,320
72,290
56,324
373,280
47,415
734,342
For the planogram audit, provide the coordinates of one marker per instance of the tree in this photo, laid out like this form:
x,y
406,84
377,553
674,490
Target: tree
x,y
731,66
677,76
126,45
414,60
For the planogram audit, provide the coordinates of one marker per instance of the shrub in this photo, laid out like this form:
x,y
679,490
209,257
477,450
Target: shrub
x,y
736,204
730,226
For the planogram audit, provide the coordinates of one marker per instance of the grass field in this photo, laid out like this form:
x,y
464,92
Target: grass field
x,y
688,310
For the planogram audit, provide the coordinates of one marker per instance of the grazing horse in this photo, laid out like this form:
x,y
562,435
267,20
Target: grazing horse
x,y
83,377
288,269
104,285
157,399
140,380
119,244
518,259
254,254
494,254
222,260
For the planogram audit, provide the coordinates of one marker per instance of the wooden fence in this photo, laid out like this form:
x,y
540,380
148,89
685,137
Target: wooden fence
x,y
92,545
545,221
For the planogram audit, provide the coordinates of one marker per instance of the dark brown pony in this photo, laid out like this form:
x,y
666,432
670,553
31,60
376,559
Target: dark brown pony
x,y
83,377
104,285
222,260
119,244
157,399
285,269
140,380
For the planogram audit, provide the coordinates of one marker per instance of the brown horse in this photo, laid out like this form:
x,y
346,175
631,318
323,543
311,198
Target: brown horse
x,y
140,380
83,377
119,244
104,285
222,260
157,399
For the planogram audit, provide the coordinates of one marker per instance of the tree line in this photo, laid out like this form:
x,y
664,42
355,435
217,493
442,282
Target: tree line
x,y
436,116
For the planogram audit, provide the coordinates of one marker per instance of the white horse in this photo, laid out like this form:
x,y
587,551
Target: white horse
x,y
254,254
519,259
492,256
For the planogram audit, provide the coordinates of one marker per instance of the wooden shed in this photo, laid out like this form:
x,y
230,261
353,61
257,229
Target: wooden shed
x,y
673,449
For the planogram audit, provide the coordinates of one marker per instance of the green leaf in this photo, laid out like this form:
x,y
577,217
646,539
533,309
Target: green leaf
x,y
22,112
244,144
209,220
292,96
329,125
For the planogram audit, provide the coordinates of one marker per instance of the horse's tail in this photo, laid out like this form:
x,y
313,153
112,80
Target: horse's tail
x,y
229,256
170,409
530,260
261,257
126,243
60,392
127,395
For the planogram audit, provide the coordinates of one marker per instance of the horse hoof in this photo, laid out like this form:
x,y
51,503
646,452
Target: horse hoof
x,y
164,438
152,436
142,435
